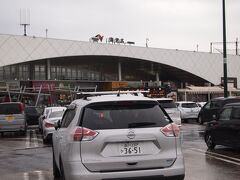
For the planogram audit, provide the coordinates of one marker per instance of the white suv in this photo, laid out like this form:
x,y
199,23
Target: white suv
x,y
116,137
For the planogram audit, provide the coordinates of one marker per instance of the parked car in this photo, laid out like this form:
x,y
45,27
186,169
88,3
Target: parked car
x,y
188,109
48,123
45,113
116,137
171,108
32,114
213,107
225,130
12,117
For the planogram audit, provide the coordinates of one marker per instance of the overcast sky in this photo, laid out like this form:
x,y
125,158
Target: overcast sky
x,y
171,24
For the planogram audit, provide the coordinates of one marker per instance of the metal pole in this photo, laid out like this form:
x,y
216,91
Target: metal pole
x,y
39,93
224,52
25,30
237,46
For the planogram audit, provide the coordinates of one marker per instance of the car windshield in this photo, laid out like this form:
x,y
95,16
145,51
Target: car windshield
x,y
123,115
56,114
167,104
189,105
10,109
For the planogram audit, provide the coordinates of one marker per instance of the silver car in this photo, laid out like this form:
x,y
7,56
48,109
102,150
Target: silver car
x,y
45,113
116,137
188,110
48,123
12,117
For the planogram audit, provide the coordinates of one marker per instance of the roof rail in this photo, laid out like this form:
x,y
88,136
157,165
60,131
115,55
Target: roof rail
x,y
85,95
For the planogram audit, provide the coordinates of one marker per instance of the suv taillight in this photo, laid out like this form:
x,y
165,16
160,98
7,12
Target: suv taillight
x,y
48,124
171,130
84,134
21,107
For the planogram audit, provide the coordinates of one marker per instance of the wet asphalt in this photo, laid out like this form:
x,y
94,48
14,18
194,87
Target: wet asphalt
x,y
27,158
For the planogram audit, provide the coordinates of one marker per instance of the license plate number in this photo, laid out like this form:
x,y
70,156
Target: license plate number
x,y
133,148
9,118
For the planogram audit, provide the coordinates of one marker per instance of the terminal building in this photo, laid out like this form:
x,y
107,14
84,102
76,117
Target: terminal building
x,y
59,68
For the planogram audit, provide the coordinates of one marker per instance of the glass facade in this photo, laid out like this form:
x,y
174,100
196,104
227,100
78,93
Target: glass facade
x,y
24,72
15,72
83,69
39,72
94,68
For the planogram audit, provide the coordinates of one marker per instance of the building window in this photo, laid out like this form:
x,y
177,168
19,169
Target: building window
x,y
23,71
7,73
39,72
1,73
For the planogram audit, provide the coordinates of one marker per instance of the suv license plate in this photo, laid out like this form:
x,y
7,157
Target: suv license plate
x,y
9,118
133,148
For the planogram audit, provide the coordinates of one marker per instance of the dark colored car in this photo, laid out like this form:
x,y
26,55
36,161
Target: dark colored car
x,y
225,130
32,114
213,107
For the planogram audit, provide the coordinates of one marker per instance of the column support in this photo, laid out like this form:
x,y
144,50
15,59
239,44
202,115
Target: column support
x,y
119,71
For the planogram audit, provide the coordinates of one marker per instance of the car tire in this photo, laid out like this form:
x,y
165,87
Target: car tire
x,y
56,172
45,141
200,121
209,141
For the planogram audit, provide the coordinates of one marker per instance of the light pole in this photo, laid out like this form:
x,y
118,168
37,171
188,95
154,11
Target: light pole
x,y
224,52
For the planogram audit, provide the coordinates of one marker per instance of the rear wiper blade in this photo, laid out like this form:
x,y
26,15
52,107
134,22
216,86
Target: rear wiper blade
x,y
140,124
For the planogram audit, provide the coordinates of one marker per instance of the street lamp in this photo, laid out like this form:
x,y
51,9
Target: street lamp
x,y
224,52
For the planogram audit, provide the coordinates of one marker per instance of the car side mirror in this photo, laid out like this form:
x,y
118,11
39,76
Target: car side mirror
x,y
57,124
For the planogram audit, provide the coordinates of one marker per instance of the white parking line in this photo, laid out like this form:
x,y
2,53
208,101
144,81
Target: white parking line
x,y
28,140
40,175
26,175
35,140
214,155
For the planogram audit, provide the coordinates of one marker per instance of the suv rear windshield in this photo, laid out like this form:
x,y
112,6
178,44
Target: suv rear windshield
x,y
123,115
189,105
167,104
10,109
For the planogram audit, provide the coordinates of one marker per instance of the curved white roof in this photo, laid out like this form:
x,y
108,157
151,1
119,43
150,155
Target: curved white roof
x,y
16,49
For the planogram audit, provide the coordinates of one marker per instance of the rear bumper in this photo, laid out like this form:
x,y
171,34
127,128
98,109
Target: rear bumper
x,y
189,116
47,133
76,170
178,177
12,128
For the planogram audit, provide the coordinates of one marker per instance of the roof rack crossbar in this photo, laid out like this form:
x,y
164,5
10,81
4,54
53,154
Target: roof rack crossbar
x,y
85,95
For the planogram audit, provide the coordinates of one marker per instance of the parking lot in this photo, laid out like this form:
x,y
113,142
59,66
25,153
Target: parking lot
x,y
27,158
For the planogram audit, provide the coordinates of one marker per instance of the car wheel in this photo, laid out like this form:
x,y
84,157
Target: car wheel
x,y
209,141
200,121
56,172
45,140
